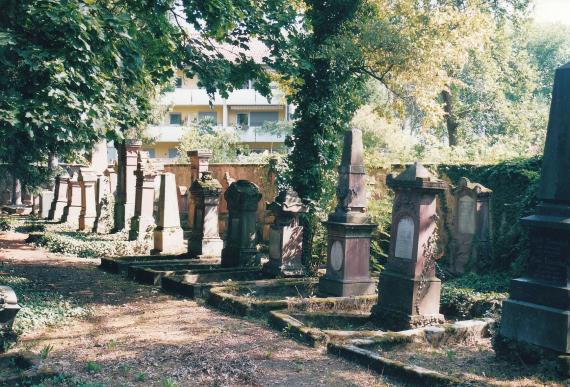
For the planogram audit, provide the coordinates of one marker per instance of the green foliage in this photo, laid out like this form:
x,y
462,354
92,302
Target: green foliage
x,y
45,351
224,143
514,184
93,367
5,224
474,296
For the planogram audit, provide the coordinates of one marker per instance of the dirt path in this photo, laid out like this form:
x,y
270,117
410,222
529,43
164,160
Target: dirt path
x,y
136,335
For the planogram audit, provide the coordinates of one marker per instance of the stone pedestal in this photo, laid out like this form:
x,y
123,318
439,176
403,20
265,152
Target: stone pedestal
x,y
126,183
60,197
205,238
72,210
46,199
144,199
349,228
199,163
286,236
242,197
87,182
409,292
168,238
537,311
471,226
105,201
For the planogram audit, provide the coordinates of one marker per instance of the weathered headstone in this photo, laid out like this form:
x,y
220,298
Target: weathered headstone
x,y
46,199
105,201
72,210
9,308
409,291
349,228
471,231
205,238
112,177
144,198
242,197
199,162
286,236
126,183
168,237
537,311
60,196
87,181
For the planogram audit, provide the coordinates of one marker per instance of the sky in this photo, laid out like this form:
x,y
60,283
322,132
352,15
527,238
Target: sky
x,y
552,11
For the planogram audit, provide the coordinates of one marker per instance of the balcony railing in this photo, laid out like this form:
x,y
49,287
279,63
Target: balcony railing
x,y
200,97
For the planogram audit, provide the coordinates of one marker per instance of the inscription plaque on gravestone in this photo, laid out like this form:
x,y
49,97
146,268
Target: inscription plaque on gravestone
x,y
336,256
466,215
405,238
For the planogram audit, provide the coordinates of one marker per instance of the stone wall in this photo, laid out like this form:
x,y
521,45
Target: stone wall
x,y
258,174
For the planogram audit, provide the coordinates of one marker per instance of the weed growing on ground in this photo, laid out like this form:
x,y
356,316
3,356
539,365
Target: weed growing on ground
x,y
93,367
45,351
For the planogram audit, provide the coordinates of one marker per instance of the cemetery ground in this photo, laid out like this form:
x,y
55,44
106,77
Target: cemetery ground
x,y
104,330
95,328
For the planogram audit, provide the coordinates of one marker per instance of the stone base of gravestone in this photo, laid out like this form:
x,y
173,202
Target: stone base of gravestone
x,y
46,198
169,240
86,222
139,227
347,274
71,215
58,210
211,247
536,311
424,309
285,258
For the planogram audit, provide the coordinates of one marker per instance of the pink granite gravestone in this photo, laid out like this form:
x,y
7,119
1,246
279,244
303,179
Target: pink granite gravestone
x,y
72,210
286,236
471,228
60,196
168,238
126,183
205,238
242,197
537,311
87,181
409,292
349,227
144,198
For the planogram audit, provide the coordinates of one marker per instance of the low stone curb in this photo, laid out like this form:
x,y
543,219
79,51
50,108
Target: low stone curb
x,y
387,366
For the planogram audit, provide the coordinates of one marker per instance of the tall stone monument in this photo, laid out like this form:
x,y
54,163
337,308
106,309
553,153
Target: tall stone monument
x,y
409,292
205,238
60,196
144,198
72,210
126,183
242,197
168,238
286,236
199,163
471,226
87,182
537,311
349,228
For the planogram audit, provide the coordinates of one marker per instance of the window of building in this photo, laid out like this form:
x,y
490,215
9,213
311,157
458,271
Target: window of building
x,y
172,153
258,118
151,152
212,116
242,119
175,119
178,82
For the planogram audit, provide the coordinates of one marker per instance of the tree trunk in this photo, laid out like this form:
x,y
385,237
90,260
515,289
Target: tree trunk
x,y
16,192
450,119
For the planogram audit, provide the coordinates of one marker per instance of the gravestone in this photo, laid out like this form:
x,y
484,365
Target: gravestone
x,y
409,292
72,210
87,181
168,238
242,197
286,236
99,160
199,162
144,198
60,196
205,238
105,201
537,311
9,308
46,199
126,183
349,228
112,177
471,229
